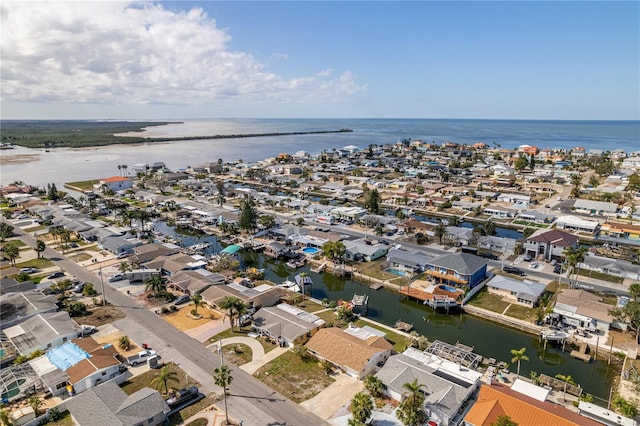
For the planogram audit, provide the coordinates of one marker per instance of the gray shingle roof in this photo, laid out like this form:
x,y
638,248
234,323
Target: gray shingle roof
x,y
463,263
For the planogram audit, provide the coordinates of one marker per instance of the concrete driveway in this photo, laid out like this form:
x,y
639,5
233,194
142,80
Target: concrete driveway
x,y
258,357
339,393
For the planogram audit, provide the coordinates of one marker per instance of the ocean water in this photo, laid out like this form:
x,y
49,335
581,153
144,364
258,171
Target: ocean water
x,y
65,164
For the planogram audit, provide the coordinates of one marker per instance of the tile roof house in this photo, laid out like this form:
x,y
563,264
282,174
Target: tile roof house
x,y
109,405
114,183
458,269
498,400
355,356
448,387
286,324
550,243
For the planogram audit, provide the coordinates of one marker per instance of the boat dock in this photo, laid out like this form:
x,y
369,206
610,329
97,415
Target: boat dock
x,y
360,300
581,353
376,286
403,326
320,268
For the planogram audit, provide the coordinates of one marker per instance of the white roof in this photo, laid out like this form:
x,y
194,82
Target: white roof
x,y
530,389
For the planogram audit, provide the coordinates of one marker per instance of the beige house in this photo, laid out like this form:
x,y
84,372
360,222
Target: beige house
x,y
354,355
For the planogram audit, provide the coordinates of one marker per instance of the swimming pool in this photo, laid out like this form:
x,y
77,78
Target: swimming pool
x,y
395,271
448,288
310,250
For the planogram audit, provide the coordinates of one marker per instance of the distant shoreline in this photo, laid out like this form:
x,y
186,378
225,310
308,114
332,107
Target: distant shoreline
x,y
244,135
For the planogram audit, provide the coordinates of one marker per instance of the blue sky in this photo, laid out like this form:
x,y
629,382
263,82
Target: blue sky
x,y
524,60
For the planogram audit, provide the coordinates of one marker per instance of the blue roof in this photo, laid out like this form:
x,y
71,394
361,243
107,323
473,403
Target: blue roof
x,y
232,249
66,355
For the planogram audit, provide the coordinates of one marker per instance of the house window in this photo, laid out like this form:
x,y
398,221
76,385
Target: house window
x,y
64,339
150,420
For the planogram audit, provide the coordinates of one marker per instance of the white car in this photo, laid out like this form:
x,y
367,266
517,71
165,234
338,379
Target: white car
x,y
28,270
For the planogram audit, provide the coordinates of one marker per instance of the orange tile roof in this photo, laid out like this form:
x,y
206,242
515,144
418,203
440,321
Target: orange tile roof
x,y
102,356
114,179
496,400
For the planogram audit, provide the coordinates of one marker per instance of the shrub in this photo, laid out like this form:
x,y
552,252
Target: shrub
x,y
19,360
124,343
88,290
173,308
77,309
164,310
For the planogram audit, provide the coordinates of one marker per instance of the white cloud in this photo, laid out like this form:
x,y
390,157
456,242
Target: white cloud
x,y
137,53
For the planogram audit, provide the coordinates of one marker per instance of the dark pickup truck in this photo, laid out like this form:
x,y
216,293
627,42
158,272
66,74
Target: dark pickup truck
x,y
182,395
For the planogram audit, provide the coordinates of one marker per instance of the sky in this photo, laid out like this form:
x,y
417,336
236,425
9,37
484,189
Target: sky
x,y
308,59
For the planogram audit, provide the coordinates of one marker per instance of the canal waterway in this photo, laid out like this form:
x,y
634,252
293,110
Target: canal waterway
x,y
488,339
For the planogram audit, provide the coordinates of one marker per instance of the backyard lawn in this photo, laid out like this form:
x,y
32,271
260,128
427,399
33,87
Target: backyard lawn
x,y
294,378
488,301
399,342
521,312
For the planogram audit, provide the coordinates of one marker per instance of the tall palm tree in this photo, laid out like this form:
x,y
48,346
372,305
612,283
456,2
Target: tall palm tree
x,y
489,227
155,283
361,408
35,402
574,256
440,231
568,380
410,411
518,355
123,267
164,376
11,251
234,306
222,377
40,247
373,385
197,302
634,291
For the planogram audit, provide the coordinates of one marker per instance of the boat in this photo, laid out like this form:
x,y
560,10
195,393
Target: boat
x,y
296,263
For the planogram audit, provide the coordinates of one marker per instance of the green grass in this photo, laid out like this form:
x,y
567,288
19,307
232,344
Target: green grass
x,y
198,422
41,263
34,228
399,342
491,302
267,345
521,312
17,243
193,409
237,353
294,378
85,185
64,421
310,306
144,380
531,224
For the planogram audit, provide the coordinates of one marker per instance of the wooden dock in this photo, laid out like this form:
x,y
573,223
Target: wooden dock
x,y
581,353
320,268
403,326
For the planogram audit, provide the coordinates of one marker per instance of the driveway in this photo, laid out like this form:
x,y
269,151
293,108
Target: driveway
x,y
339,393
258,357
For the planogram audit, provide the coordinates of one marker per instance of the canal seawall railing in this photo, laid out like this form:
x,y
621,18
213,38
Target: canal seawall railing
x,y
502,319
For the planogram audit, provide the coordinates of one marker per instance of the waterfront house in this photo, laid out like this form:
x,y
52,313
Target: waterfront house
x,y
536,216
275,250
151,251
614,267
575,223
355,355
457,269
118,245
172,264
448,388
114,183
500,212
500,244
620,230
526,293
257,297
286,324
582,309
109,405
195,281
407,262
497,400
460,235
550,243
362,250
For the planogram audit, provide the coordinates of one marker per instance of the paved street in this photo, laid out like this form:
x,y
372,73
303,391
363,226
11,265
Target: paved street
x,y
249,400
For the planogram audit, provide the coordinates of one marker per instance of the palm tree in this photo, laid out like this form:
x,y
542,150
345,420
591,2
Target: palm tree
x,y
454,220
410,411
489,227
518,355
373,385
5,417
123,267
634,291
222,377
35,402
567,381
197,302
12,252
124,343
440,231
40,247
574,256
165,375
361,408
234,306
155,283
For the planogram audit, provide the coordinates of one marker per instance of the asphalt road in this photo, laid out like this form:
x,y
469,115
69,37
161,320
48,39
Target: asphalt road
x,y
250,400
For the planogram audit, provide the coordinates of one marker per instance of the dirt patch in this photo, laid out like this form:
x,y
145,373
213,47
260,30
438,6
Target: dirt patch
x,y
114,339
182,321
101,315
18,158
621,339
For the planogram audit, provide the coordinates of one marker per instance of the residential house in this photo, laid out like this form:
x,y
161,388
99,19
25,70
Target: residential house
x,y
497,400
550,243
575,223
147,252
174,263
458,270
255,298
606,265
118,245
583,309
526,293
195,280
448,388
460,236
536,216
597,208
500,244
286,324
42,331
109,405
114,183
356,356
500,212
620,230
364,250
407,262
19,306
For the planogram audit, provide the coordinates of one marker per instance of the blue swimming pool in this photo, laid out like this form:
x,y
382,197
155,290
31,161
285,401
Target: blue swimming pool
x,y
448,288
310,250
398,272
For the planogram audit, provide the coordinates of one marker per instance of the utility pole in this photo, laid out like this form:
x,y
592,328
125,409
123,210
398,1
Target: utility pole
x,y
104,300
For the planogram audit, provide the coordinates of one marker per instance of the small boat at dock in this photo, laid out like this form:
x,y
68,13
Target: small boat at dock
x,y
403,326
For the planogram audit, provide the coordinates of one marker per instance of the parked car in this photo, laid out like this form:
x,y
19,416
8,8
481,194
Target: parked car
x,y
55,275
181,299
514,270
74,245
528,258
78,288
557,269
122,255
182,395
488,256
116,277
140,357
28,270
88,329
